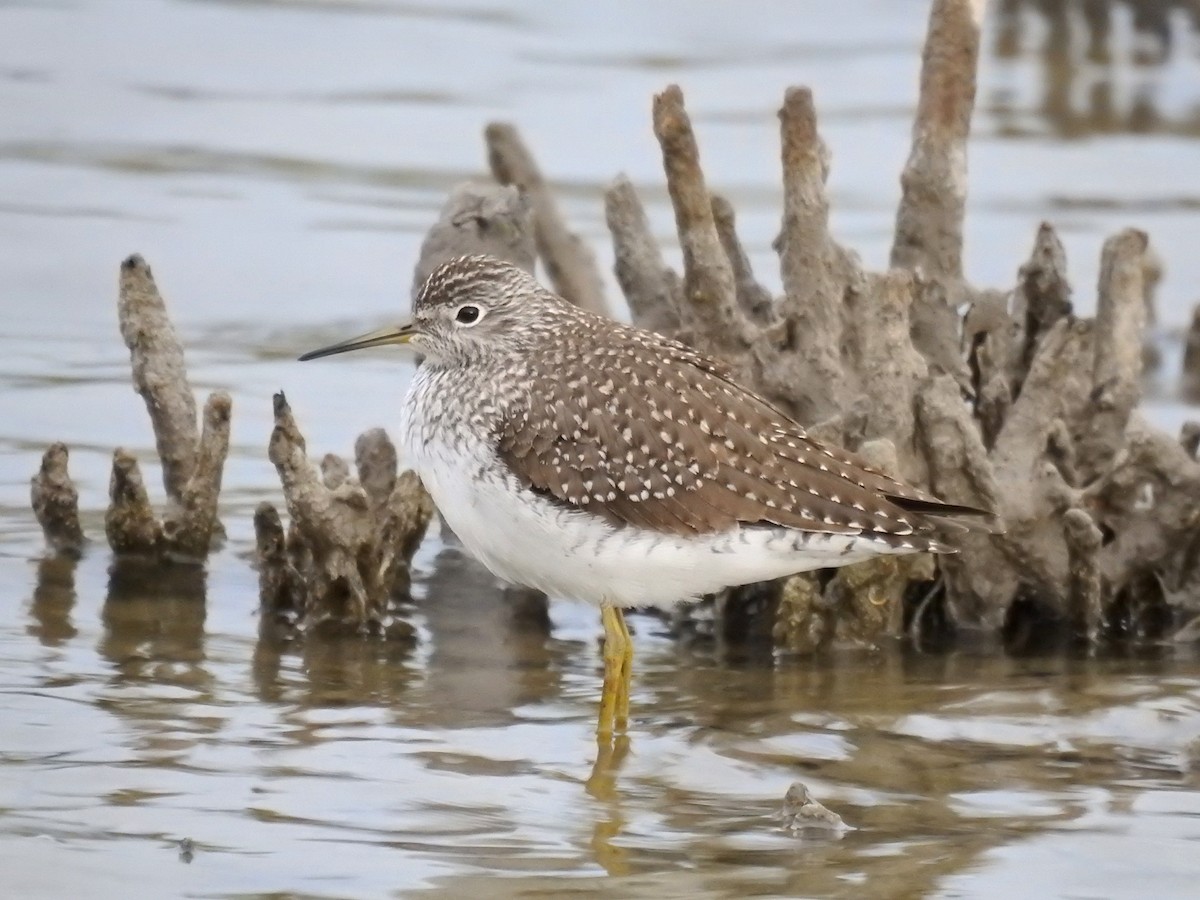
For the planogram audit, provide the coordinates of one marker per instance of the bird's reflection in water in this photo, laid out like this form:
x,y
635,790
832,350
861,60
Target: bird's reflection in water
x,y
603,787
485,656
484,653
492,653
490,647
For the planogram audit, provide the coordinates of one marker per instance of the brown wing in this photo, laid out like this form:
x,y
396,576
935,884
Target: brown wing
x,y
659,437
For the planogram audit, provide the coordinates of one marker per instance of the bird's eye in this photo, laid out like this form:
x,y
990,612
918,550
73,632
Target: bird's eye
x,y
467,315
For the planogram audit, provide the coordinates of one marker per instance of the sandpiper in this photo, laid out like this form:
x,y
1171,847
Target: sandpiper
x,y
599,462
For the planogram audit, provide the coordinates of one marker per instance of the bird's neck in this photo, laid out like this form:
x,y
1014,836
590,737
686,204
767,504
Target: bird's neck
x,y
476,394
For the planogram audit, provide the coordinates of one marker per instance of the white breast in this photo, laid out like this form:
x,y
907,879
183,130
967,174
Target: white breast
x,y
532,541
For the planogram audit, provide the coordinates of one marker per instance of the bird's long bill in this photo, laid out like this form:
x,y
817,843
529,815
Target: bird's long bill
x,y
392,334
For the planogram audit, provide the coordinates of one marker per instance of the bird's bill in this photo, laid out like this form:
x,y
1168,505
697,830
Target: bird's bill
x,y
392,334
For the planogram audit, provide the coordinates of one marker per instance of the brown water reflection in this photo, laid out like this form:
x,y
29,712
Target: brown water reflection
x,y
1103,65
465,763
53,601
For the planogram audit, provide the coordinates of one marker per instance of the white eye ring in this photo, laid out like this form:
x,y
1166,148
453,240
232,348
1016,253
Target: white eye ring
x,y
468,314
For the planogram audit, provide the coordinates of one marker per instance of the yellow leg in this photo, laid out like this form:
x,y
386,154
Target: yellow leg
x,y
612,744
618,669
622,716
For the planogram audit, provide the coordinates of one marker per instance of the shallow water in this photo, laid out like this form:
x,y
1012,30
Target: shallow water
x,y
277,163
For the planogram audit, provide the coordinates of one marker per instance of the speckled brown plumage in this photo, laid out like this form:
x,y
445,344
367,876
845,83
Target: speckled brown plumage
x,y
593,460
646,432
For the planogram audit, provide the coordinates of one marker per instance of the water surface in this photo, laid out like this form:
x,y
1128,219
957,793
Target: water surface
x,y
277,163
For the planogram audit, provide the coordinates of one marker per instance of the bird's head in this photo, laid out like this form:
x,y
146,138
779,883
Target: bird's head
x,y
470,308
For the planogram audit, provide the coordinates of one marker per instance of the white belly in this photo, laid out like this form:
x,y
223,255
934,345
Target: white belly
x,y
569,554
